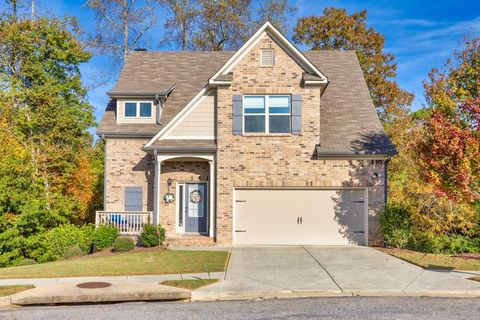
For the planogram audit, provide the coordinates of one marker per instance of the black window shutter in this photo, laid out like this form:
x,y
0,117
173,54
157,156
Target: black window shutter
x,y
133,199
237,126
296,114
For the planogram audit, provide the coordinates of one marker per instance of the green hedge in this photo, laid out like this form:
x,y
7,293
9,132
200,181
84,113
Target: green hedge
x,y
61,242
399,231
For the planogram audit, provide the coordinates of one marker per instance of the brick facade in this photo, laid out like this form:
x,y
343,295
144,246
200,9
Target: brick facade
x,y
127,165
281,160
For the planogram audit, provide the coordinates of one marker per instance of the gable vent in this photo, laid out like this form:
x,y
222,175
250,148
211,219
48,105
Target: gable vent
x,y
267,57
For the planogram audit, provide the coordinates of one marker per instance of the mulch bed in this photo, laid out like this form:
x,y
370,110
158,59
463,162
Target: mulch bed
x,y
108,252
468,255
461,255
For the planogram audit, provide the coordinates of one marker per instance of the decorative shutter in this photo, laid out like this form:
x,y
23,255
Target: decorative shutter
x,y
133,199
296,114
237,126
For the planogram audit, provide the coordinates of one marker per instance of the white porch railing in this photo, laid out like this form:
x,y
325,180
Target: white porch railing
x,y
127,222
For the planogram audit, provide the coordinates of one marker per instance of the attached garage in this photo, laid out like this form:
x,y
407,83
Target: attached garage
x,y
300,217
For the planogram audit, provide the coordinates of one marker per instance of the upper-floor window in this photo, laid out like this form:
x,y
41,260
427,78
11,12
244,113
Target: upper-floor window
x,y
266,114
138,109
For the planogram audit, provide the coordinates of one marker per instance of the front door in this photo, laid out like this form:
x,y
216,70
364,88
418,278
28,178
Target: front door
x,y
196,207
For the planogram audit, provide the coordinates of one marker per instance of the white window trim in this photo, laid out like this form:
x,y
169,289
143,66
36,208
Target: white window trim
x,y
267,113
137,116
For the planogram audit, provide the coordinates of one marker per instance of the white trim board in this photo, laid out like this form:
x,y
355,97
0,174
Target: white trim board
x,y
189,138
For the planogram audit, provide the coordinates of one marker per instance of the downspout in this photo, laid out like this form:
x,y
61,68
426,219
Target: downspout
x,y
159,105
155,189
159,102
104,171
386,179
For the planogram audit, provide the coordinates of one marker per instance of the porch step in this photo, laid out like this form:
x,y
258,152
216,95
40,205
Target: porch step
x,y
189,240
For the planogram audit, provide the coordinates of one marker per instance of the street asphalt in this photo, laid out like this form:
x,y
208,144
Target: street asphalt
x,y
313,308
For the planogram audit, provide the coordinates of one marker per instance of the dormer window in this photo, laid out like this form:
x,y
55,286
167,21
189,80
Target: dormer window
x,y
138,110
145,109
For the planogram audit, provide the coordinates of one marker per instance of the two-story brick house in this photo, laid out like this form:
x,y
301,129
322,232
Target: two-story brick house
x,y
265,145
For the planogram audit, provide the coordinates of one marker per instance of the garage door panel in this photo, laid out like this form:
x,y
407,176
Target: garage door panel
x,y
329,217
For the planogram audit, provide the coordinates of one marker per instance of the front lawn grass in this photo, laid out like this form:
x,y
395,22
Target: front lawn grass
x,y
133,263
436,261
190,284
9,290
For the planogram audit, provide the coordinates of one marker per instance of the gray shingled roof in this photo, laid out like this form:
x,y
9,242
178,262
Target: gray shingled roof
x,y
147,72
348,120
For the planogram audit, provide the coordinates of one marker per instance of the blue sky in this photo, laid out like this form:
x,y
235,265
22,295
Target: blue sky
x,y
421,34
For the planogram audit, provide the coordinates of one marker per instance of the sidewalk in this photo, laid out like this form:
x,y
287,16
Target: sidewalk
x,y
144,278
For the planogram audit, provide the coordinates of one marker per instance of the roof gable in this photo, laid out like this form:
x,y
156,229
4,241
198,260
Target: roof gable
x,y
280,39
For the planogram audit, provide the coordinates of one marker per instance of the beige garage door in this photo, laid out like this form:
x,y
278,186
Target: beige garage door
x,y
299,217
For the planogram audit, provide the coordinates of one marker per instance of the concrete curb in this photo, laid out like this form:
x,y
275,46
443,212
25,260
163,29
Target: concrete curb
x,y
202,296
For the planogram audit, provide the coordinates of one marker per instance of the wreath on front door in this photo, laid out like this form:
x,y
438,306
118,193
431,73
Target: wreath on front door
x,y
195,196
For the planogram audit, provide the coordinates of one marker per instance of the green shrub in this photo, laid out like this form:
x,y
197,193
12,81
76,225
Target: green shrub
x,y
105,236
425,242
58,242
152,236
456,244
395,225
123,244
448,244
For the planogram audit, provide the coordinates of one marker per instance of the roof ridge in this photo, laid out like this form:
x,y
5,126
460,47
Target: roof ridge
x,y
179,52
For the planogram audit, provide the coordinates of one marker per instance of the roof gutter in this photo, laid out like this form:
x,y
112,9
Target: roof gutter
x,y
160,149
125,134
128,94
352,155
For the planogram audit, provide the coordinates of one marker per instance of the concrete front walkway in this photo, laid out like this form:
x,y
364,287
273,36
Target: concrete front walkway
x,y
307,271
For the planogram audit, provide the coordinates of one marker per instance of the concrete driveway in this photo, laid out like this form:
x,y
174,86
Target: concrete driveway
x,y
277,271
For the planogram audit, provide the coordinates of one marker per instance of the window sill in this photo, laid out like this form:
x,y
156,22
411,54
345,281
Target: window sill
x,y
267,135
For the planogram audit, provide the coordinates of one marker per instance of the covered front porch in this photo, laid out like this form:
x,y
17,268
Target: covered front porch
x,y
184,196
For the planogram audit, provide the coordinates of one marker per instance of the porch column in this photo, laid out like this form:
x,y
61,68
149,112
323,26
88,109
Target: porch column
x,y
156,189
212,229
